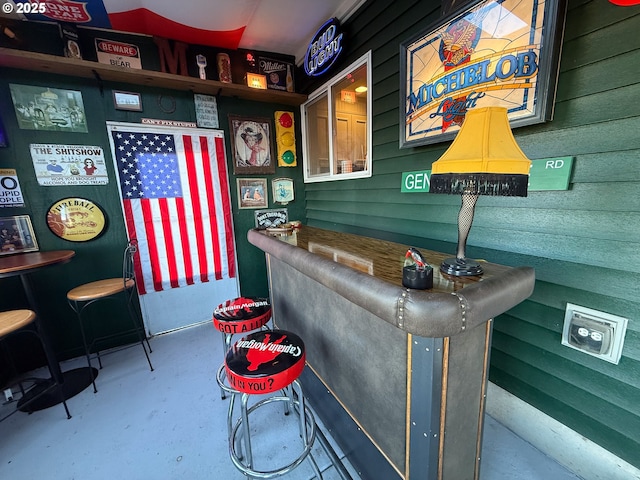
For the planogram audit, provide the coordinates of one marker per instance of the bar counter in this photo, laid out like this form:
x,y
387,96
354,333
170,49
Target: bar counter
x,y
398,375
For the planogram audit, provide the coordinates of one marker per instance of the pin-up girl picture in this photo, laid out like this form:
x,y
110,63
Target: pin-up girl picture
x,y
251,145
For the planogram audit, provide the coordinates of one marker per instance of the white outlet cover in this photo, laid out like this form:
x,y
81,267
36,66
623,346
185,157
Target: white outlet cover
x,y
619,325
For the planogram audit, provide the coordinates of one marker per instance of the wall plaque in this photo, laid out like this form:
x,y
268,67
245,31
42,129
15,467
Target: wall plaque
x,y
76,219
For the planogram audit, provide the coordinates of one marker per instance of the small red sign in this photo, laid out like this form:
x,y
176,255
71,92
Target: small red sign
x,y
117,48
66,11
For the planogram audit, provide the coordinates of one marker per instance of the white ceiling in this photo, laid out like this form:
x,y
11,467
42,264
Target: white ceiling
x,y
287,26
279,26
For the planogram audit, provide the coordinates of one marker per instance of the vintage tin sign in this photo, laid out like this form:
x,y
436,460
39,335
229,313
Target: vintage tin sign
x,y
279,74
118,54
76,219
10,191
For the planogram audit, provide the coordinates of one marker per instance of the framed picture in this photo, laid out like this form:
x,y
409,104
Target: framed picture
x,y
45,108
282,190
487,53
251,145
127,101
16,235
252,192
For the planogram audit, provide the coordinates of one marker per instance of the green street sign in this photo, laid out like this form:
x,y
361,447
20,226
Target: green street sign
x,y
550,174
416,181
545,174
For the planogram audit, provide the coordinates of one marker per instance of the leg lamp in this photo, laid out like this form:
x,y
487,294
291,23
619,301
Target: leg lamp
x,y
484,159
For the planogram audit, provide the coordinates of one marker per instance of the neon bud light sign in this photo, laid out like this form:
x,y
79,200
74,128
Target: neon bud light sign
x,y
324,49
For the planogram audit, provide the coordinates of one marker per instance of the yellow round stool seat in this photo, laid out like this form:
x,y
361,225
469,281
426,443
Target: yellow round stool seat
x,y
99,289
14,320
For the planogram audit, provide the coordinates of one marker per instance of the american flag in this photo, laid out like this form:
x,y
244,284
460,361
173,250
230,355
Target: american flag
x,y
175,195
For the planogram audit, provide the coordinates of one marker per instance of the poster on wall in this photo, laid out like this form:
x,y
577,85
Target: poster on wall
x,y
57,165
490,53
251,145
206,111
10,191
46,108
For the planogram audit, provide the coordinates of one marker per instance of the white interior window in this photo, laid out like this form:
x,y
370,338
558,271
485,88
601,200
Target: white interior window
x,y
336,126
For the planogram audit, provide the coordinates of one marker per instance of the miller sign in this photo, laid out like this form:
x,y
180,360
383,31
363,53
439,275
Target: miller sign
x,y
324,49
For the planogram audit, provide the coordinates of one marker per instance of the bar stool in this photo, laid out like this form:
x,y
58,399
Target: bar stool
x,y
81,297
12,323
261,363
240,315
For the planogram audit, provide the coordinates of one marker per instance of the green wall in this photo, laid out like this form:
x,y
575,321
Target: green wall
x,y
102,257
583,242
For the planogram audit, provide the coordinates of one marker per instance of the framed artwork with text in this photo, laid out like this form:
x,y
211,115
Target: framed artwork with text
x,y
489,53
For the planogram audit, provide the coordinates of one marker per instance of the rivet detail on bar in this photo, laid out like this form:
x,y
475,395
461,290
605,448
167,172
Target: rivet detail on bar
x,y
400,313
463,310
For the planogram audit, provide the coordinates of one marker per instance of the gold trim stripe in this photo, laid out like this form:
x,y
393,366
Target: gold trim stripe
x,y
443,402
407,440
483,395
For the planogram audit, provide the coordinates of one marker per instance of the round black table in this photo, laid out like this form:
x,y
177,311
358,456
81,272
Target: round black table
x,y
73,381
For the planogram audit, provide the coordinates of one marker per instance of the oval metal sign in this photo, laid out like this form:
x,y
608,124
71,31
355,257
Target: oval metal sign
x,y
324,48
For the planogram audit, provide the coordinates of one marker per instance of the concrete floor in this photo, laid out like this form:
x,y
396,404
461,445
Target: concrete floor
x,y
171,424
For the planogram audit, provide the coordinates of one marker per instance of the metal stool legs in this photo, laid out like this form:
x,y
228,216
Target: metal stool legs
x,y
307,426
79,307
224,388
226,344
138,323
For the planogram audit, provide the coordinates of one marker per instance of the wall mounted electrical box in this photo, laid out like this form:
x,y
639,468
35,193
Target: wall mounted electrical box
x,y
595,333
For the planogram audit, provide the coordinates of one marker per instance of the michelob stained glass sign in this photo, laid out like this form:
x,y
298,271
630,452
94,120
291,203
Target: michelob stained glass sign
x,y
490,53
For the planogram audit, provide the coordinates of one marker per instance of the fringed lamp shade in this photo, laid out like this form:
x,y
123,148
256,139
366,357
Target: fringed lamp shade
x,y
484,159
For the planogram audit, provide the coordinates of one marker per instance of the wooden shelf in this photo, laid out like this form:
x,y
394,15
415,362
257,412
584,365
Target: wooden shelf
x,y
39,62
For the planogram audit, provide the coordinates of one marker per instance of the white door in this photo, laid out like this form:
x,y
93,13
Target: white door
x,y
175,197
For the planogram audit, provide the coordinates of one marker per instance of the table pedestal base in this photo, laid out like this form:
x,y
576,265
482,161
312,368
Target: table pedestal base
x,y
75,381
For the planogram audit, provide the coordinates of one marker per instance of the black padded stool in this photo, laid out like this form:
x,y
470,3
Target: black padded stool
x,y
240,315
261,363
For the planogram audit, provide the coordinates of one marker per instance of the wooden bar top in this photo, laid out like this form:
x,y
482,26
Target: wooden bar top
x,y
379,258
368,273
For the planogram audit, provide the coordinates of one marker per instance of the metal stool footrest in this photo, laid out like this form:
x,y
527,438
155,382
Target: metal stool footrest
x,y
221,376
245,463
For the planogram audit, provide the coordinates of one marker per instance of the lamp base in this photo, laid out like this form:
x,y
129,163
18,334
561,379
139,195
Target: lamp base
x,y
461,267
